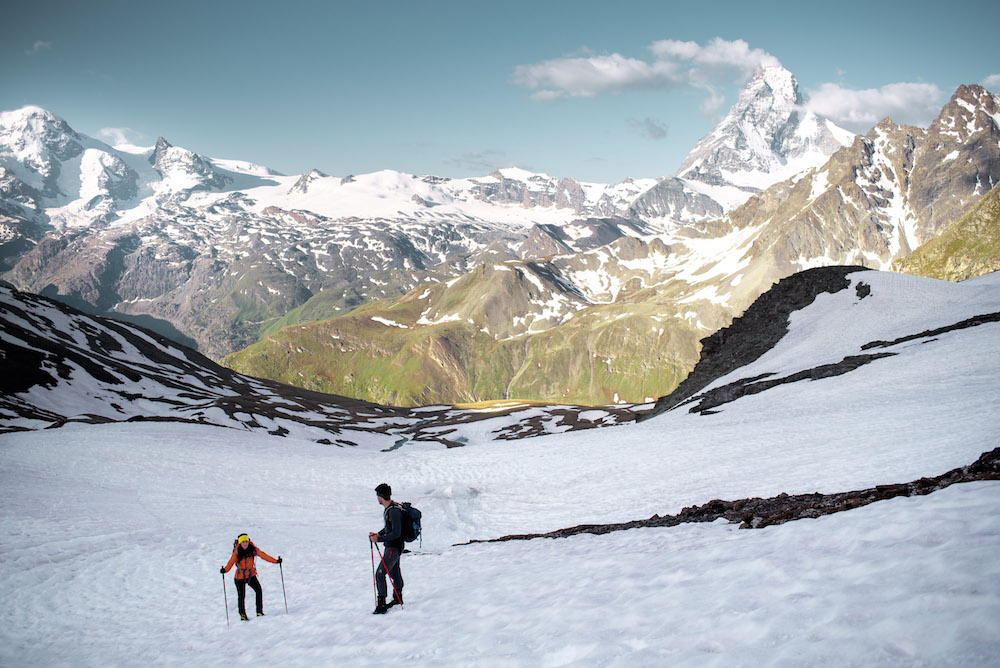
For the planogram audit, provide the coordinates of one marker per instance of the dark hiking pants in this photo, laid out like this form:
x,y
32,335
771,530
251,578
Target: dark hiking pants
x,y
391,562
241,594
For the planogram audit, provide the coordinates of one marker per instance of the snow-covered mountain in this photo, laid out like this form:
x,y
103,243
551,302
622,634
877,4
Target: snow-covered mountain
x,y
622,322
195,245
58,177
90,505
885,195
225,253
765,138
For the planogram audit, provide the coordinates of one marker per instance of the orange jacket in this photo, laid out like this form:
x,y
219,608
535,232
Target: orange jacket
x,y
245,569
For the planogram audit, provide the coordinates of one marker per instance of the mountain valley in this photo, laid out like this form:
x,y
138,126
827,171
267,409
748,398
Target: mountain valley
x,y
415,290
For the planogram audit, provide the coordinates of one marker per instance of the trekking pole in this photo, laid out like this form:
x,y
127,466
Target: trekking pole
x,y
282,571
386,568
225,597
374,588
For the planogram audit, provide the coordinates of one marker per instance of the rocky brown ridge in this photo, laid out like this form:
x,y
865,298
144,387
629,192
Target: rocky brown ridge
x,y
225,276
755,513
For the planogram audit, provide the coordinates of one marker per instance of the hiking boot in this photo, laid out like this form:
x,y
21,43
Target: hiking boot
x,y
244,617
380,607
397,599
260,614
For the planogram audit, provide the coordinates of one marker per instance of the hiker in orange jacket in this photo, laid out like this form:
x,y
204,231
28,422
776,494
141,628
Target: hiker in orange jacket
x,y
244,553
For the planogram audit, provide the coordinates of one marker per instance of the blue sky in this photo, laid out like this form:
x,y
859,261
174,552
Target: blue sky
x,y
596,91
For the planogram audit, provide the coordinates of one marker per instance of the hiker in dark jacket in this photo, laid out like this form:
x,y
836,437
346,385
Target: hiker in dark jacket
x,y
244,553
392,536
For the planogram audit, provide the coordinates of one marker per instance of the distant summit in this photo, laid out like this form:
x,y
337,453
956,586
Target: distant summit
x,y
617,283
765,138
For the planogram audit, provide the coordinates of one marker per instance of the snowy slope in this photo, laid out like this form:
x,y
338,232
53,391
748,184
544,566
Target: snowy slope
x,y
510,196
115,532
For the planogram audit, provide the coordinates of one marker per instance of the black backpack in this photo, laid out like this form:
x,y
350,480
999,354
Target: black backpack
x,y
411,522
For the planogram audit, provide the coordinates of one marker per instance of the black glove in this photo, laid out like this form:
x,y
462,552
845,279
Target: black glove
x,y
223,570
279,560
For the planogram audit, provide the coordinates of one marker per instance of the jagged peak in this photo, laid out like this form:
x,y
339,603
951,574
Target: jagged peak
x,y
886,125
970,92
972,97
162,143
765,136
971,109
161,147
779,80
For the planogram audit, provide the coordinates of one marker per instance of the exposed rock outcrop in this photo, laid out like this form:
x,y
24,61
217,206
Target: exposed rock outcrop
x,y
754,333
756,513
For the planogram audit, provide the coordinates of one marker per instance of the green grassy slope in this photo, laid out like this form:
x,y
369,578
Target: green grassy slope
x,y
405,352
968,247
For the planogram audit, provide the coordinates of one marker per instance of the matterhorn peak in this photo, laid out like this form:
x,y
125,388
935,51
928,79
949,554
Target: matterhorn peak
x,y
778,82
766,137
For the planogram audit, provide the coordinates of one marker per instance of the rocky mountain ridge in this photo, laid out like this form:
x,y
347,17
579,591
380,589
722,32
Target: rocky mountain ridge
x,y
966,248
872,203
219,253
64,366
226,253
641,305
598,327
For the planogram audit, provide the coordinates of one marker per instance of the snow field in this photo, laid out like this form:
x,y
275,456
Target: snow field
x,y
116,534
113,534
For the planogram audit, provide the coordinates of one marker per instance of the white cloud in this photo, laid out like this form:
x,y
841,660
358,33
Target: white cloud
x,y
38,47
719,61
715,65
674,64
589,77
118,136
859,110
992,82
